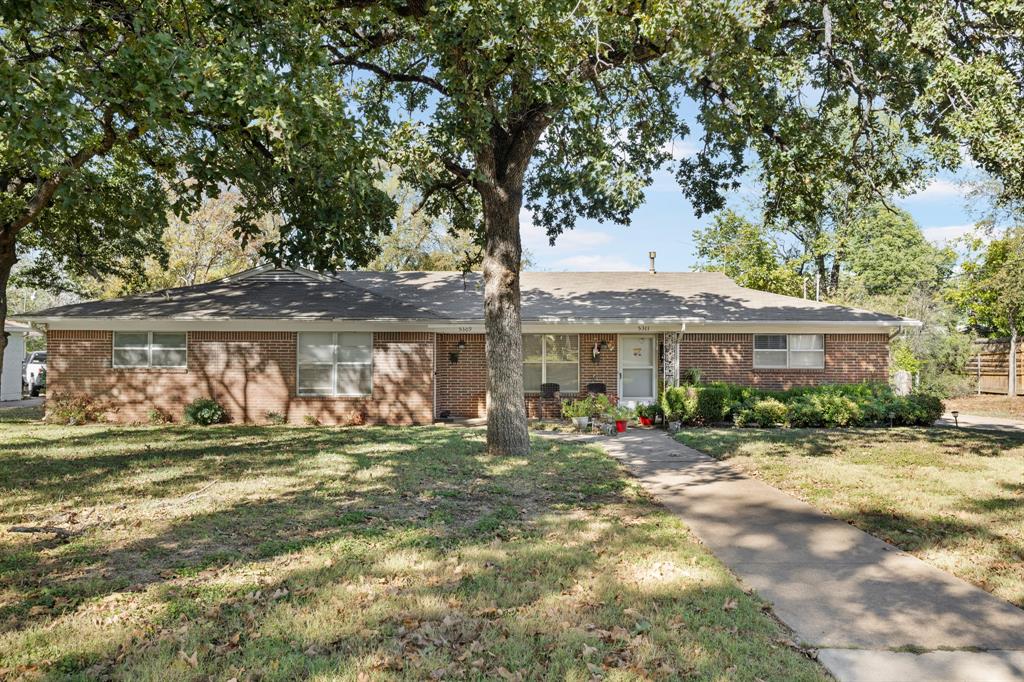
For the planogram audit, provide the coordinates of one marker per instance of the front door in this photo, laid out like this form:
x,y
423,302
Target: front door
x,y
637,366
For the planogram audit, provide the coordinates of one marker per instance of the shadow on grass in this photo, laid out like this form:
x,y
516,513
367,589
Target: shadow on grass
x,y
397,552
724,443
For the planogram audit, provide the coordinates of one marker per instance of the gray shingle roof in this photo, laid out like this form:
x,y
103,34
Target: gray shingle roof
x,y
709,296
546,296
258,298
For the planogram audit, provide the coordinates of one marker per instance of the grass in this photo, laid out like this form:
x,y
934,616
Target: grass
x,y
988,406
277,553
954,498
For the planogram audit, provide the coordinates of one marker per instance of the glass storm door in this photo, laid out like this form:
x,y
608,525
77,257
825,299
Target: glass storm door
x,y
637,361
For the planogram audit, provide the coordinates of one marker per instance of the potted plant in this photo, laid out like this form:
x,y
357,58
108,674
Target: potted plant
x,y
621,416
579,411
645,413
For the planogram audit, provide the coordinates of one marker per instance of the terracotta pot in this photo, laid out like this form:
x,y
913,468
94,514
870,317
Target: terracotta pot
x,y
620,425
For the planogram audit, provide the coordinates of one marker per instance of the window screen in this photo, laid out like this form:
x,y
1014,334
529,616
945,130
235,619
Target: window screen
x,y
335,363
794,351
551,359
150,349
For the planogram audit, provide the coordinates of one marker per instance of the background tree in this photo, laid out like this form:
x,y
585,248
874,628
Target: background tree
x,y
889,255
749,253
419,241
114,114
200,248
990,291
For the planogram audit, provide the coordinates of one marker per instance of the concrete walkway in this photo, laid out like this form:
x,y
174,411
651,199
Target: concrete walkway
x,y
974,421
26,402
855,598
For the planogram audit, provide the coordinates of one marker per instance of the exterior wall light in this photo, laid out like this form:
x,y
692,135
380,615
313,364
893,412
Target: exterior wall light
x,y
600,347
453,357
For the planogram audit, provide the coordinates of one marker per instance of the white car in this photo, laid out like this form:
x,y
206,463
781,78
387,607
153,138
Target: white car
x,y
35,372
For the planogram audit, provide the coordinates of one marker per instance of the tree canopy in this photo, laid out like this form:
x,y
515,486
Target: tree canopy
x,y
565,107
112,115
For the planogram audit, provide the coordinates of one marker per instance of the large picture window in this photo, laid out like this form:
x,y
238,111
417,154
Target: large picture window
x,y
789,351
551,359
335,363
150,349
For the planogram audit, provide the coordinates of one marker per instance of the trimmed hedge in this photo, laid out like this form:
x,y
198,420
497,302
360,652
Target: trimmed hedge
x,y
838,405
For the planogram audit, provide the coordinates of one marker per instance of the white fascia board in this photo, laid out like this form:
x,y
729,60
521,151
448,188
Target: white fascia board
x,y
570,325
246,325
802,326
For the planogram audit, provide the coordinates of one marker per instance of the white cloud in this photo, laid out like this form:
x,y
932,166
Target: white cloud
x,y
535,239
595,263
936,190
679,149
947,233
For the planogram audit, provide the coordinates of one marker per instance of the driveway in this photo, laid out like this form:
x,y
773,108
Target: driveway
x,y
863,603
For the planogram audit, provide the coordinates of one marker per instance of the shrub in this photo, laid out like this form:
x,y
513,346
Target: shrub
x,y
73,409
275,418
157,417
765,412
678,403
917,409
826,408
204,411
310,420
712,404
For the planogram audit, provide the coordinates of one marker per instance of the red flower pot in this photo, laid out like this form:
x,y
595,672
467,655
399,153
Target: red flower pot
x,y
646,421
620,426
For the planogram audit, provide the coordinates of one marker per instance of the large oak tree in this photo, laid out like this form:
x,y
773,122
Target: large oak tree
x,y
566,108
114,113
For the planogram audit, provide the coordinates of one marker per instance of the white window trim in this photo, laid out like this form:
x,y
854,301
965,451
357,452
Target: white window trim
x,y
788,350
307,393
544,360
149,351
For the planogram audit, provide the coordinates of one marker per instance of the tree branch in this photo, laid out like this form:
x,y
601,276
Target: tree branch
x,y
44,193
341,59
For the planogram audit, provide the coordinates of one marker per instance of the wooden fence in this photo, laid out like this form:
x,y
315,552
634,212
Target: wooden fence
x,y
990,365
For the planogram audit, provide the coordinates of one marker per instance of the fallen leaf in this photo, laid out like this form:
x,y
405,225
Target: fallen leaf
x,y
192,661
730,604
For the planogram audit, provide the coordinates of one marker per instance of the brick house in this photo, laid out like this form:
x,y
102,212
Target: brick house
x,y
408,347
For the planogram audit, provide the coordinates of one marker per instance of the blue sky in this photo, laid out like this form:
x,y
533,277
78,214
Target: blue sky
x,y
666,221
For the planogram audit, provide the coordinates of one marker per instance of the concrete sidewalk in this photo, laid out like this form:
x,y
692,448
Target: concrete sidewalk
x,y
854,597
974,421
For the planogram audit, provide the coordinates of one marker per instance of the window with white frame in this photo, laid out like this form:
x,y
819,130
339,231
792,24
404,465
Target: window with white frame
x,y
789,351
150,349
551,359
335,363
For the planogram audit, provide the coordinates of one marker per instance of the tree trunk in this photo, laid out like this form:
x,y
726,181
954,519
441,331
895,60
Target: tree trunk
x,y
507,432
1011,388
8,257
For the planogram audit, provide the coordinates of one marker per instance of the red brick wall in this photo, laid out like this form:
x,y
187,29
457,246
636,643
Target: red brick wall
x,y
849,358
249,373
462,386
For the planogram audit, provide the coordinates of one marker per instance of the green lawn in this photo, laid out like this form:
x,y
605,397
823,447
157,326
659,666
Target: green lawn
x,y
367,553
954,498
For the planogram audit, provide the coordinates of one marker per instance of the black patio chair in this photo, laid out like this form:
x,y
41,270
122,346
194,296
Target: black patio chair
x,y
549,391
